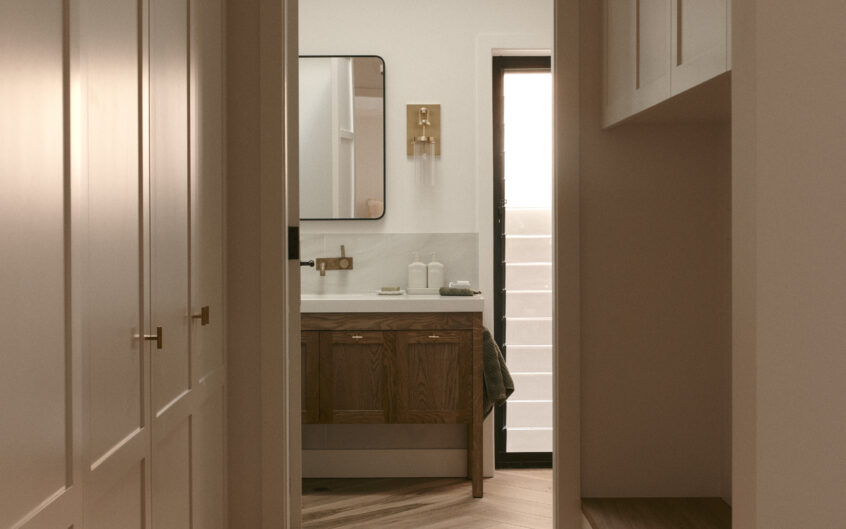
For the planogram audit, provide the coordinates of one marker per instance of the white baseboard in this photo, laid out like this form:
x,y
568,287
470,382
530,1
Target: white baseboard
x,y
431,463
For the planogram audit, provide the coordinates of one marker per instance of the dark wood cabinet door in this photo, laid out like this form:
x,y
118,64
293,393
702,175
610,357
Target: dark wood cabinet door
x,y
310,343
434,383
356,377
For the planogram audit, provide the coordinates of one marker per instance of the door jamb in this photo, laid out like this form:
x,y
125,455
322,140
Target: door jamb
x,y
566,279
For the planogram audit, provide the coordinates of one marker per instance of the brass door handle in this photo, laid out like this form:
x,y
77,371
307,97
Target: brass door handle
x,y
203,316
434,336
158,337
356,337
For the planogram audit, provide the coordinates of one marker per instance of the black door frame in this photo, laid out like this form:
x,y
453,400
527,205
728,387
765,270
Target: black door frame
x,y
500,66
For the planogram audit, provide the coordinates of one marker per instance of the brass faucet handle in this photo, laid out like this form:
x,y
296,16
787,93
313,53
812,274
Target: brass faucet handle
x,y
343,251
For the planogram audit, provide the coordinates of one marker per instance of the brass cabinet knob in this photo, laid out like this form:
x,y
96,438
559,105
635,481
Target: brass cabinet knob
x,y
203,316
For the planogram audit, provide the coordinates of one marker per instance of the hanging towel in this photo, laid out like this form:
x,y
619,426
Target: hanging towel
x,y
497,380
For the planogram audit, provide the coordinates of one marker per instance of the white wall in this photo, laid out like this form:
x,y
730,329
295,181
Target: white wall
x,y
789,260
655,293
430,56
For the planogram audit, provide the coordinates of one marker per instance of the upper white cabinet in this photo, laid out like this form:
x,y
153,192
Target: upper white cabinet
x,y
620,60
637,56
655,49
699,41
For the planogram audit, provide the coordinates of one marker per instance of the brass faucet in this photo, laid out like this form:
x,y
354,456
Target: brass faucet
x,y
334,263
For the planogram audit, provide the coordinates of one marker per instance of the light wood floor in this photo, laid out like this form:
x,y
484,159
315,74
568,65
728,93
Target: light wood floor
x,y
657,513
514,499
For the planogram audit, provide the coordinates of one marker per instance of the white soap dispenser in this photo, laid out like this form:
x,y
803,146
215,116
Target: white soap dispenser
x,y
435,272
416,273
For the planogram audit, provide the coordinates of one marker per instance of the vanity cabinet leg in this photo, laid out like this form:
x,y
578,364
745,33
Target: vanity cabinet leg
x,y
475,430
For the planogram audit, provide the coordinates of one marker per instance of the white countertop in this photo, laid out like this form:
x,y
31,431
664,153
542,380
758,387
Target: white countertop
x,y
396,303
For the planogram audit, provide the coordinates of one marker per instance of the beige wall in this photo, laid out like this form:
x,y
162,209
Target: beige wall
x,y
655,286
261,47
790,286
243,278
566,279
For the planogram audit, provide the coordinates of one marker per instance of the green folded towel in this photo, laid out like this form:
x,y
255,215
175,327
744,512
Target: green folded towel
x,y
498,382
447,291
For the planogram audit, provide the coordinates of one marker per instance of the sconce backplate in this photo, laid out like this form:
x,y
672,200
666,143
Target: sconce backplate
x,y
413,129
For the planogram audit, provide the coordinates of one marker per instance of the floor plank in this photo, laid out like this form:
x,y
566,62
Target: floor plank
x,y
657,513
514,499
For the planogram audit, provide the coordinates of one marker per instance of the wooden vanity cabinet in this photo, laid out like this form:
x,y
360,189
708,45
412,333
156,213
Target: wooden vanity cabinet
x,y
396,368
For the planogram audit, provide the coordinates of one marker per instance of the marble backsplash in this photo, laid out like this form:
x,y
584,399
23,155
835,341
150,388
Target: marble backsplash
x,y
381,259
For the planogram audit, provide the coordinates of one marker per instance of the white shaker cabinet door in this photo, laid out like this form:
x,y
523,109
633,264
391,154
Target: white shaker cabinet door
x,y
38,470
116,395
208,360
653,43
168,259
700,41
619,60
637,62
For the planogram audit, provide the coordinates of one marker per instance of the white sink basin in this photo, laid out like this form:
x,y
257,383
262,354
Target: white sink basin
x,y
379,303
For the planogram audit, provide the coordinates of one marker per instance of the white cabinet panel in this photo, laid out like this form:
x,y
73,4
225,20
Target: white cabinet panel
x,y
124,503
169,200
637,56
620,76
208,424
728,35
209,459
700,41
116,397
112,290
171,479
34,357
207,184
653,43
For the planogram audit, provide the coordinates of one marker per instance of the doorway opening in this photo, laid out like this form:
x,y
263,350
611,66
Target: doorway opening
x,y
523,267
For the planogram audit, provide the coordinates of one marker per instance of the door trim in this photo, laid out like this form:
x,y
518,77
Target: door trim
x,y
501,64
566,271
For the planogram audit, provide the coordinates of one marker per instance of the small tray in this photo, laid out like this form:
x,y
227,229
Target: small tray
x,y
390,292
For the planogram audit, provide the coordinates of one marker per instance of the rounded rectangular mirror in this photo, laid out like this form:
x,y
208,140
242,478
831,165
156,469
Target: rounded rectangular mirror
x,y
342,137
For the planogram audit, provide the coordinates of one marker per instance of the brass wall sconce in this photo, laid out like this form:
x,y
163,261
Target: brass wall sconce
x,y
423,134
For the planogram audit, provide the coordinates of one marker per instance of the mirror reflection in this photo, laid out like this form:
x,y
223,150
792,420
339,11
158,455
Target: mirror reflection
x,y
342,137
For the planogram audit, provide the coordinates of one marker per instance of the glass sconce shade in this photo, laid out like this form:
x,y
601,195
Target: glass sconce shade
x,y
424,160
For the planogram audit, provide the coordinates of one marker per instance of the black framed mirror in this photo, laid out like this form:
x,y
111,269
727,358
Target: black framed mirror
x,y
342,137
